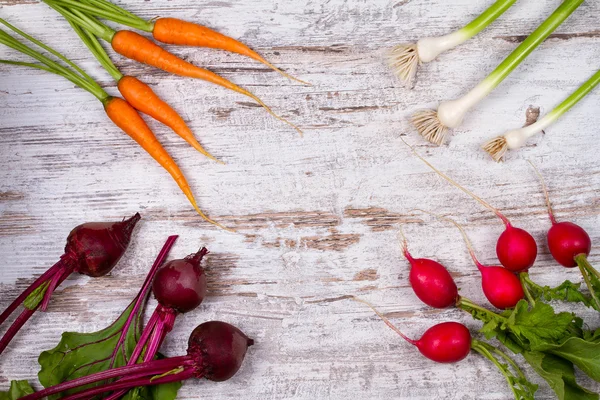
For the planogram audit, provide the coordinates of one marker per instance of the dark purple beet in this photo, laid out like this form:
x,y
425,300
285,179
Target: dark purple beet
x,y
219,348
181,284
98,246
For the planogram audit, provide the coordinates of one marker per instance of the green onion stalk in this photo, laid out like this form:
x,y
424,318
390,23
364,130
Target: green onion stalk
x,y
404,59
516,138
433,125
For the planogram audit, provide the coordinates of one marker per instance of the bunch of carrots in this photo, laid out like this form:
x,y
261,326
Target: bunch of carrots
x,y
434,125
83,16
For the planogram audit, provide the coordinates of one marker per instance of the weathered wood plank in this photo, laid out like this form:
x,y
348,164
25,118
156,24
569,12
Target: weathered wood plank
x,y
317,216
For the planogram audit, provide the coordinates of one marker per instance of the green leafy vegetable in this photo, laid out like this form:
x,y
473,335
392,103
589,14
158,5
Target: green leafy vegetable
x,y
567,291
81,354
17,390
582,353
560,376
517,381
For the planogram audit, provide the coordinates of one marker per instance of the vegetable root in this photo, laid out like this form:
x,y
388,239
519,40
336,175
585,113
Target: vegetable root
x,y
92,249
216,351
516,248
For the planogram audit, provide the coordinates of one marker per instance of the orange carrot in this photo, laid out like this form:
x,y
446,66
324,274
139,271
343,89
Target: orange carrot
x,y
125,117
183,33
136,47
143,99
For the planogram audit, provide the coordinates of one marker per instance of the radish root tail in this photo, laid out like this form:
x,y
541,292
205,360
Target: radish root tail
x,y
545,189
496,148
429,126
455,184
462,232
384,319
403,59
403,243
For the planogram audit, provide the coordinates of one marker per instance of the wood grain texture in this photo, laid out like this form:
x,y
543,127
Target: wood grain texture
x,y
317,216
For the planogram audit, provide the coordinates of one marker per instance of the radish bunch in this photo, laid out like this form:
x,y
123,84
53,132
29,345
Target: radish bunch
x,y
552,343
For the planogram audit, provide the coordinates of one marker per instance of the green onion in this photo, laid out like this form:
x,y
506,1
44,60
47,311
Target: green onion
x,y
516,138
405,58
433,125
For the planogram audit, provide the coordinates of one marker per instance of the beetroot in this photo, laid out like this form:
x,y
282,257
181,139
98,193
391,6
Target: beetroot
x,y
92,249
181,284
216,351
179,287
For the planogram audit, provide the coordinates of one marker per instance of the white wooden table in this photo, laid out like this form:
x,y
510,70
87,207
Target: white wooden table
x,y
318,216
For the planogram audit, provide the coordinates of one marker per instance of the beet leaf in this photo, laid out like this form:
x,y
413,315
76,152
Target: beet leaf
x,y
17,390
81,354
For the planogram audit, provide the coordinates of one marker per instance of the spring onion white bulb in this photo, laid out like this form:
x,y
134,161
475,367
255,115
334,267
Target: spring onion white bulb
x,y
434,126
404,59
516,138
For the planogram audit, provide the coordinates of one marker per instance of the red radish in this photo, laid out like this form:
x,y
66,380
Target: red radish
x,y
516,248
431,281
215,351
566,240
569,244
501,287
92,249
179,287
447,342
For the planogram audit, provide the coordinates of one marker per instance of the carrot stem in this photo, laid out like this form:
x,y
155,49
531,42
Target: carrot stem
x,y
82,81
29,65
91,24
103,10
47,48
97,50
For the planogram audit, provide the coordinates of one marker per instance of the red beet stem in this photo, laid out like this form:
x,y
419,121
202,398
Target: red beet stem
x,y
37,283
14,328
59,275
199,255
157,367
164,325
159,325
141,344
125,385
144,291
